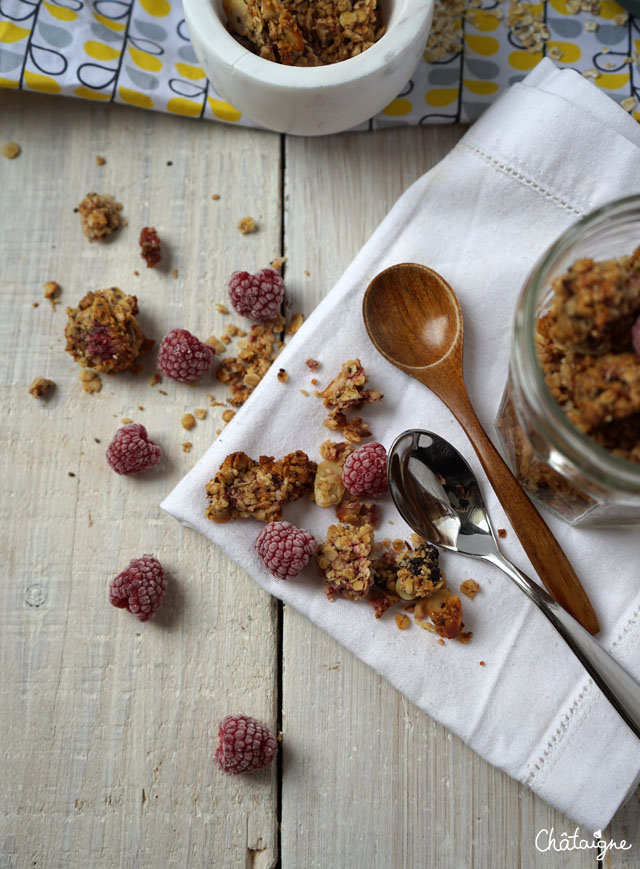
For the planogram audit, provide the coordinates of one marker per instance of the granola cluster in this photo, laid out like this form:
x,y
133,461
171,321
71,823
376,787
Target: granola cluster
x,y
584,344
348,391
245,489
102,332
243,372
99,216
306,32
351,563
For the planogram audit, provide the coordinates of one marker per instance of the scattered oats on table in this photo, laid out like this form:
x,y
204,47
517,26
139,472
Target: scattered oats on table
x,y
221,309
90,381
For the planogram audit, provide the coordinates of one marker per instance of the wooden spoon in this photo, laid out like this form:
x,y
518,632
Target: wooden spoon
x,y
414,319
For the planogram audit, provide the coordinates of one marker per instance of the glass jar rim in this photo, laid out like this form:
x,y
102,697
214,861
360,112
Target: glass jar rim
x,y
592,460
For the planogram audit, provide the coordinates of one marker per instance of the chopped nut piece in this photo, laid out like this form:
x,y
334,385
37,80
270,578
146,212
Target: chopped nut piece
x,y
11,150
221,309
188,421
40,386
402,621
344,560
228,415
296,321
247,225
90,380
51,289
186,446
102,332
282,375
470,588
100,161
99,215
244,488
200,413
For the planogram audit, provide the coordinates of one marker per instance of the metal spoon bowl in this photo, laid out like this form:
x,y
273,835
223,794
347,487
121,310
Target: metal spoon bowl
x,y
438,495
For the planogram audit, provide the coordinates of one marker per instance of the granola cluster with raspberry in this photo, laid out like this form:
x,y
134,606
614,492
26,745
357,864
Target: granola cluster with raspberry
x,y
352,565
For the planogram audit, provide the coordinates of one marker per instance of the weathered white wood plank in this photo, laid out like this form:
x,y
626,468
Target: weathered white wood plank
x,y
109,726
369,780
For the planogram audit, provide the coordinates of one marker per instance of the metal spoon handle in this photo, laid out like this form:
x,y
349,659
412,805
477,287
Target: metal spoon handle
x,y
621,689
544,552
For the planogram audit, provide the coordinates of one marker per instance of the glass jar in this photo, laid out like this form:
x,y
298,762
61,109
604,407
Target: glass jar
x,y
561,468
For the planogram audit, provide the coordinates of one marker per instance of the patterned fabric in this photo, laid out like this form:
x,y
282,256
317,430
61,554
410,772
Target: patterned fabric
x,y
138,52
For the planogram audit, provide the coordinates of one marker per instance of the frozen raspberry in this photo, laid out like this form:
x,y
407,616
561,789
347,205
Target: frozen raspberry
x,y
365,471
140,587
183,357
257,296
284,549
245,745
635,336
131,451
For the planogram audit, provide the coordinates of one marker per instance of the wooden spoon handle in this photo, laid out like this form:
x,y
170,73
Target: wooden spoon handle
x,y
544,551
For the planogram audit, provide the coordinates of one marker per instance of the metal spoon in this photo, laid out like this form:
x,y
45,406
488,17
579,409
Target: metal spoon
x,y
438,495
414,320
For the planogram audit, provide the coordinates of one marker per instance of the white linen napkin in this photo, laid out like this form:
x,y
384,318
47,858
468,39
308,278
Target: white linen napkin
x,y
549,150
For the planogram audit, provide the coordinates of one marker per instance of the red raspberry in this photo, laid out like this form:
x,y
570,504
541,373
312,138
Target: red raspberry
x,y
257,296
284,549
184,357
245,745
140,587
131,451
365,471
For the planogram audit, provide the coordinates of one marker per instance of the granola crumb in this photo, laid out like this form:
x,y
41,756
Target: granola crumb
x,y
221,309
464,636
482,663
218,431
277,263
307,273
228,415
629,103
140,407
591,26
555,53
188,421
162,392
51,289
100,161
99,216
215,197
90,380
470,588
217,345
40,386
296,321
312,365
247,225
155,378
186,446
125,420
70,474
304,392
136,273
35,304
11,150
150,247
502,532
200,413
174,273
440,642
282,375
402,621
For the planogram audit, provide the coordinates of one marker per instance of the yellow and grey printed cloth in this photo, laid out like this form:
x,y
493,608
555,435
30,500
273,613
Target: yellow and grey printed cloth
x,y
138,52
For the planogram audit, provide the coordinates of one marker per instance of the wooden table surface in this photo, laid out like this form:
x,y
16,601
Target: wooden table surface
x,y
108,726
